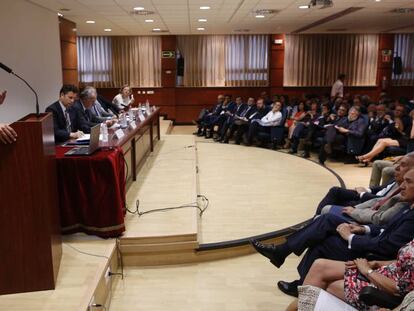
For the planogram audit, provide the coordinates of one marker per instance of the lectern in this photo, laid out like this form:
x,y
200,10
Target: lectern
x,y
30,243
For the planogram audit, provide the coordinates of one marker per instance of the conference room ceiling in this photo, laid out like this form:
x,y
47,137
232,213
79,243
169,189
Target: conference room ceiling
x,y
232,16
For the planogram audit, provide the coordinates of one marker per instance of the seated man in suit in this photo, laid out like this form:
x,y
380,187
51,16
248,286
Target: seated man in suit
x,y
83,106
260,111
272,118
7,134
343,132
65,122
330,237
230,117
379,210
206,115
240,118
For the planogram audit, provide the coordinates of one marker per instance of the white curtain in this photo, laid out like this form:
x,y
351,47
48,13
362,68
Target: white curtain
x,y
116,61
247,60
219,60
95,60
404,47
316,60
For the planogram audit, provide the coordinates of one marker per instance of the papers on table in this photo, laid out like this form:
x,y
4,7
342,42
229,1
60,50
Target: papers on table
x,y
84,138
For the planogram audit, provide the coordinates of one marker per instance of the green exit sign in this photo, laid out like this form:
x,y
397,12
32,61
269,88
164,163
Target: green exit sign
x,y
168,54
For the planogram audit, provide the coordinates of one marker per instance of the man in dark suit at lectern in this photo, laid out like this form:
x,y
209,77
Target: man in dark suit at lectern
x,y
7,134
65,121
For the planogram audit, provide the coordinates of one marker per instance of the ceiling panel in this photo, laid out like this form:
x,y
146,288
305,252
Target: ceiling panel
x,y
181,16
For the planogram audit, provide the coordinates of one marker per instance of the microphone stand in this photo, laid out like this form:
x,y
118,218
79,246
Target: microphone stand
x,y
37,99
8,70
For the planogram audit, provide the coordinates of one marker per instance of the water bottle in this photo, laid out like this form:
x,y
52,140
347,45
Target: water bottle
x,y
104,132
147,106
130,115
123,120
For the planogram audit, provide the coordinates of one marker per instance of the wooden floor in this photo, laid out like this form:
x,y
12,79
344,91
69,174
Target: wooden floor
x,y
243,283
247,282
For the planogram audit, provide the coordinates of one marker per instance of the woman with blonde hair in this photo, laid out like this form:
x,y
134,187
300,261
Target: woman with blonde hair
x,y
124,99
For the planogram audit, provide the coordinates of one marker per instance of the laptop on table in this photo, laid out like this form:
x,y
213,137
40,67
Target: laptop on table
x,y
91,148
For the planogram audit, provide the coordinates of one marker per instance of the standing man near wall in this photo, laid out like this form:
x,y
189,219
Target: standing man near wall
x,y
7,134
338,87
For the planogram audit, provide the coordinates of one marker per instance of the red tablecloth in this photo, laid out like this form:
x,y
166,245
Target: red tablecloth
x,y
92,192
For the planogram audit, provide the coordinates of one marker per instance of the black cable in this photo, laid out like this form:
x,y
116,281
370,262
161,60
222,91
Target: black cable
x,y
86,253
192,204
120,259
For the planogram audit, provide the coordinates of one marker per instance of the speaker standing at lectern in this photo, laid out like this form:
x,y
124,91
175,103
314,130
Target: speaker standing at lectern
x,y
7,134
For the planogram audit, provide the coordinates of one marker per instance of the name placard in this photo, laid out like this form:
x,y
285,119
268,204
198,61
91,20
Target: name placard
x,y
133,125
119,134
141,117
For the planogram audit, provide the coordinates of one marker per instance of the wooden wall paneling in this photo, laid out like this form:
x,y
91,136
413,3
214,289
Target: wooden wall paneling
x,y
69,53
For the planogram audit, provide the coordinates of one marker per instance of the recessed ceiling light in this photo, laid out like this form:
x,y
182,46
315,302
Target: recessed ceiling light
x,y
156,29
60,14
90,22
107,29
201,28
139,8
260,16
204,8
377,0
149,20
202,20
304,7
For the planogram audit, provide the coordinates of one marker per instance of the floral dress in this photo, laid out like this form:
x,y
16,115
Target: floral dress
x,y
401,271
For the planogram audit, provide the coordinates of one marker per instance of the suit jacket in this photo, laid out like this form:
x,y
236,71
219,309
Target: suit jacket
x,y
387,240
364,213
86,119
59,122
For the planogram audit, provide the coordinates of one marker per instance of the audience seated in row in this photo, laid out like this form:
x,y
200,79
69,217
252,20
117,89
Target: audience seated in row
x,y
352,126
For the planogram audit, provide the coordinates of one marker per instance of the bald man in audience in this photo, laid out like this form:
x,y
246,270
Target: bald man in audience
x,y
7,134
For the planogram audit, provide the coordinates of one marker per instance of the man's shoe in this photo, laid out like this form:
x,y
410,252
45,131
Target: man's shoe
x,y
270,251
289,288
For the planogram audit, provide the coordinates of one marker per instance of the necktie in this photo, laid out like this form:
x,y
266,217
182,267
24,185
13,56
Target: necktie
x,y
245,112
68,125
385,199
87,115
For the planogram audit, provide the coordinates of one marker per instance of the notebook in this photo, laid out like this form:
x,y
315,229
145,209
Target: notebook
x,y
91,148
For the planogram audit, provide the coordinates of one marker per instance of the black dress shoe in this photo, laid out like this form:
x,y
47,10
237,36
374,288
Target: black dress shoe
x,y
289,288
270,251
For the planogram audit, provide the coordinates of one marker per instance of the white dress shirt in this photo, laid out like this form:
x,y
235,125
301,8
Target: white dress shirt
x,y
271,119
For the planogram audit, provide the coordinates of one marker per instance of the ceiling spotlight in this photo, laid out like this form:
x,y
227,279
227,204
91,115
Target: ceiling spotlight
x,y
260,16
139,8
149,20
108,29
202,20
60,14
90,22
304,7
204,8
156,29
201,28
377,0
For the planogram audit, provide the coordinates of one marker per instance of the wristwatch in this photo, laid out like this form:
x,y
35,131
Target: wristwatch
x,y
370,271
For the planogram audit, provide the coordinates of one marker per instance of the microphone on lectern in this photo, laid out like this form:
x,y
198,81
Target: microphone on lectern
x,y
8,70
